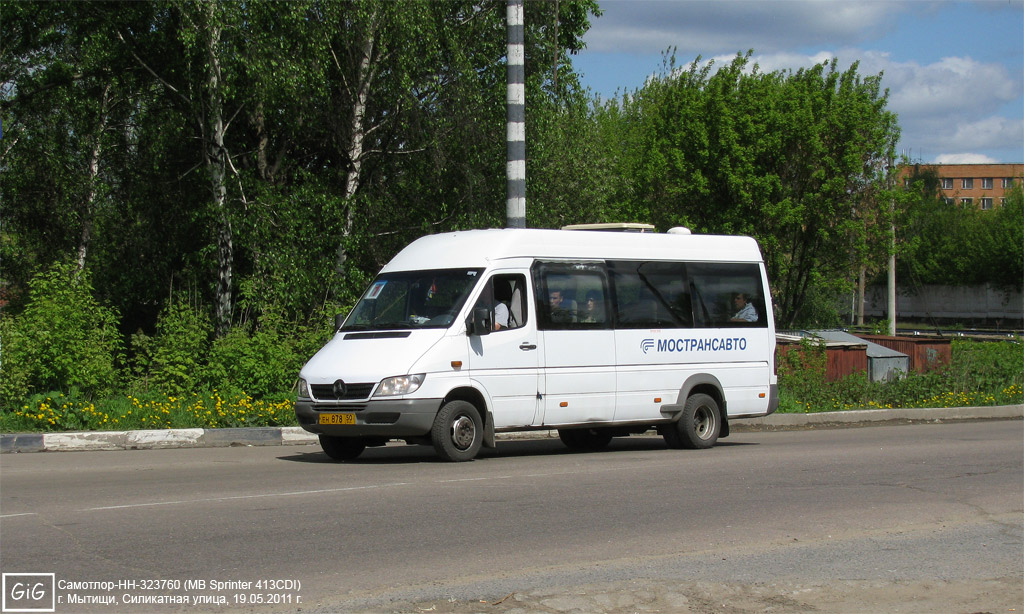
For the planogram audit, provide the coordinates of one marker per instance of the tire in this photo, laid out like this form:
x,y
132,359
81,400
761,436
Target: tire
x,y
698,426
342,448
590,440
458,431
671,434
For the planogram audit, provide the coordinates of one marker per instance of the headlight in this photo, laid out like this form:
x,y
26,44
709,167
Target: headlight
x,y
303,389
402,384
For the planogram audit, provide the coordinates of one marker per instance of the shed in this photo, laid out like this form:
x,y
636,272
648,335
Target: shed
x,y
883,363
842,357
926,353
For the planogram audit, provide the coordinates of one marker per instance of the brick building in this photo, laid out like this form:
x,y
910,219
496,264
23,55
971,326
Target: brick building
x,y
978,185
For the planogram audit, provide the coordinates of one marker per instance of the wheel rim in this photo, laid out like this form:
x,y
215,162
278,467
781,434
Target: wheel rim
x,y
704,422
463,432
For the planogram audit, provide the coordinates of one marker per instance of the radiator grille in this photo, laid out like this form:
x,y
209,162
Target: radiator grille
x,y
353,392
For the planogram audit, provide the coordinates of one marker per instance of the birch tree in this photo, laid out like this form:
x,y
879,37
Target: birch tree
x,y
62,99
197,79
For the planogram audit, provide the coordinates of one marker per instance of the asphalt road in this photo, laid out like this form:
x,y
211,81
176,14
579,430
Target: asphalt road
x,y
286,528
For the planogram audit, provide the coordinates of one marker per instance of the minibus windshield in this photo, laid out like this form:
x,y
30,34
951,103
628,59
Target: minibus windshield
x,y
413,299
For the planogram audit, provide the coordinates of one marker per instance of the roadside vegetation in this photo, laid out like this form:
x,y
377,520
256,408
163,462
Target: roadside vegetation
x,y
183,376
980,373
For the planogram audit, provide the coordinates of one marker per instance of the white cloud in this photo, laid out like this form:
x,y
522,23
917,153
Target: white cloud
x,y
951,85
714,27
990,133
964,158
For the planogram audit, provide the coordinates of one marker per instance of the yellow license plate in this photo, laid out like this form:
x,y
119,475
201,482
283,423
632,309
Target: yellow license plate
x,y
337,418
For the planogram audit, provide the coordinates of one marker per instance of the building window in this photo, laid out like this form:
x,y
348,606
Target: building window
x,y
986,203
966,201
947,183
948,200
1007,182
967,184
986,183
1002,202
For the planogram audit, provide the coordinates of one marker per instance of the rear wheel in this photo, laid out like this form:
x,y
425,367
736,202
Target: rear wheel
x,y
698,426
585,439
458,431
342,448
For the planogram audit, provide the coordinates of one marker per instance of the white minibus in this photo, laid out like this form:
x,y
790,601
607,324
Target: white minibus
x,y
593,334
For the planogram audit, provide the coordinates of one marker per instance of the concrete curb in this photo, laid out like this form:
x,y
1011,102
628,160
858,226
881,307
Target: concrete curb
x,y
868,416
154,439
293,435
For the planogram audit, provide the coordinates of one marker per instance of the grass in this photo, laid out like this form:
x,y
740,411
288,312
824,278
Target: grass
x,y
56,412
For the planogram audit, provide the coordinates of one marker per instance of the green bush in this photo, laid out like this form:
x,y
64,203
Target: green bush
x,y
172,361
63,341
979,366
801,372
261,363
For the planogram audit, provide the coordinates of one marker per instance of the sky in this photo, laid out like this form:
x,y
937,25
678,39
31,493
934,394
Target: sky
x,y
954,70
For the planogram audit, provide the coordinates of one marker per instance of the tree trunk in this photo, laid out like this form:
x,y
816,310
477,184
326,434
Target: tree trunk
x,y
861,288
357,134
88,210
216,165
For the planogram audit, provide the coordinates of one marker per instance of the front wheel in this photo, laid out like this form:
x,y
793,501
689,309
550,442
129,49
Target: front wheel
x,y
458,431
342,448
698,426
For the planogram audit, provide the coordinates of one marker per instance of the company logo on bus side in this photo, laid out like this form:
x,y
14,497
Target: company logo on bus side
x,y
693,345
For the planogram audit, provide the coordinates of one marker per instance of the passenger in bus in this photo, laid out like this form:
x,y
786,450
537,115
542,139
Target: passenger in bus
x,y
593,309
500,319
745,311
493,299
562,309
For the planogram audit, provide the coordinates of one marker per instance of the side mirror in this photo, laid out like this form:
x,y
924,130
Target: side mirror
x,y
339,319
479,322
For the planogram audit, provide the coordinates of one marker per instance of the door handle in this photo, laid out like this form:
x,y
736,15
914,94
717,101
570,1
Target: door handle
x,y
527,346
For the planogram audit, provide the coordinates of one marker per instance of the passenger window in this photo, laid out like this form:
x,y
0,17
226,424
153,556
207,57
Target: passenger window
x,y
504,297
727,295
651,294
571,296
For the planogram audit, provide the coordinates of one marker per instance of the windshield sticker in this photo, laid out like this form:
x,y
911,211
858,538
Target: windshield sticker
x,y
375,290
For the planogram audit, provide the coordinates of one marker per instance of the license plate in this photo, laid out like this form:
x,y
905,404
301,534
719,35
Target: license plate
x,y
337,418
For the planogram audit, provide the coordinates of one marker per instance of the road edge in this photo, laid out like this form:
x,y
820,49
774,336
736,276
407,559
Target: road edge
x,y
292,435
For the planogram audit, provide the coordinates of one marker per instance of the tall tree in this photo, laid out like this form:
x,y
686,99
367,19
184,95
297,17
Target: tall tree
x,y
786,157
64,99
249,148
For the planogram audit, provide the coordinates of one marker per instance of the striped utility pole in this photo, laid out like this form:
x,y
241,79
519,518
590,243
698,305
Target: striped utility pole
x,y
515,104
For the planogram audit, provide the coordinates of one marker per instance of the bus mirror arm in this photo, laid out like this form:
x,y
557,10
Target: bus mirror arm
x,y
479,322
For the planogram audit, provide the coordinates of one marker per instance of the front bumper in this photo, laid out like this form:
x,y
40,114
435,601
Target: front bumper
x,y
386,418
